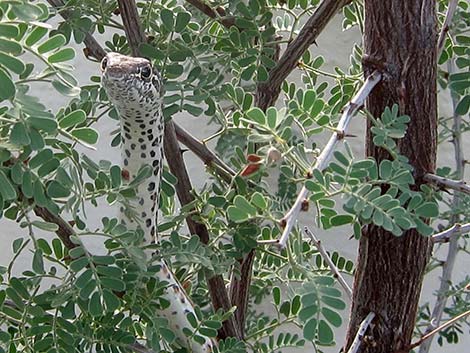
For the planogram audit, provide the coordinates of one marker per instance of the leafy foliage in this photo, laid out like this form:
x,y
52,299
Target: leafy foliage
x,y
74,297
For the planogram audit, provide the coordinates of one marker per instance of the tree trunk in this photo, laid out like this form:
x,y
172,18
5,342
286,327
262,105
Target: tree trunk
x,y
400,40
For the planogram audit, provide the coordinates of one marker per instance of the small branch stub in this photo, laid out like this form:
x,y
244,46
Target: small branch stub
x,y
360,333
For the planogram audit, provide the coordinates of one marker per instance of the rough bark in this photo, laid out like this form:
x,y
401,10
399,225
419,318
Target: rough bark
x,y
400,39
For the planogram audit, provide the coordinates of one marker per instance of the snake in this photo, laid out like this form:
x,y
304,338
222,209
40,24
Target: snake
x,y
135,89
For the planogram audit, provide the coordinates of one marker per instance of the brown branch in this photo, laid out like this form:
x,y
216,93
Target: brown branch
x,y
267,92
65,230
205,154
436,330
216,284
132,26
216,14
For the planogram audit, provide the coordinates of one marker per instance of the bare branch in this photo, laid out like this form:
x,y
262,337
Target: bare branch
x,y
436,330
458,185
445,26
217,14
65,230
454,231
330,263
361,332
323,159
267,92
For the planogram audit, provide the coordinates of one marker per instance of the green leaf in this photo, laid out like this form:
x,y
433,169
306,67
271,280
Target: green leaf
x,y
310,329
35,35
52,43
6,187
8,30
259,200
167,19
182,19
62,55
332,316
243,204
19,136
276,295
27,11
44,124
74,118
79,264
12,63
38,262
7,88
113,284
57,190
427,209
9,46
47,226
94,306
236,215
111,301
340,220
463,106
257,115
325,333
86,134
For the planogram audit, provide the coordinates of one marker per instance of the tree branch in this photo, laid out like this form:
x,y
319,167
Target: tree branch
x,y
446,25
323,159
216,284
217,14
446,235
457,185
267,92
204,153
360,333
330,263
436,330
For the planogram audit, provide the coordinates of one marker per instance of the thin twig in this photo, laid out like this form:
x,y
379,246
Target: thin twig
x,y
437,329
360,333
446,25
445,183
454,231
451,235
217,14
323,159
329,262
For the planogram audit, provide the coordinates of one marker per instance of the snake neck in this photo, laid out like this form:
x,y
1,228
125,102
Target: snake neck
x,y
142,144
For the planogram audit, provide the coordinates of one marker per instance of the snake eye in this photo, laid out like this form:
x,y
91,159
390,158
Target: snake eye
x,y
146,72
104,63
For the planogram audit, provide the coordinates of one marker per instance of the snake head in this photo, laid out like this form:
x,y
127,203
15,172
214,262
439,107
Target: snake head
x,y
131,82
